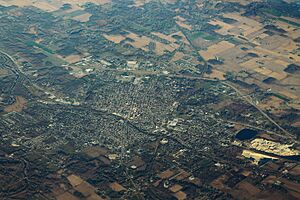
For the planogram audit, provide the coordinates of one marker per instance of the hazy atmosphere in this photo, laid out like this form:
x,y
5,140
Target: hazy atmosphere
x,y
149,100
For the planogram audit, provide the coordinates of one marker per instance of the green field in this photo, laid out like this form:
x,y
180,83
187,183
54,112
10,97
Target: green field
x,y
34,44
203,35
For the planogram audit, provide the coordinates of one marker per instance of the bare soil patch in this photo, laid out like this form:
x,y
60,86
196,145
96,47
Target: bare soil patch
x,y
114,38
117,187
18,106
184,25
50,6
83,18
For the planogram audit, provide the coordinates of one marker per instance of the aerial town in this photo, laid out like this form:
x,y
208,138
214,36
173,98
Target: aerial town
x,y
150,99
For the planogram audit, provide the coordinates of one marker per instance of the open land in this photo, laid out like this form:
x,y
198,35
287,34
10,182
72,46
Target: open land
x,y
146,99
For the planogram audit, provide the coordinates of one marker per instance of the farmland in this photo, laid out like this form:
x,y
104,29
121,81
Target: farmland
x,y
144,99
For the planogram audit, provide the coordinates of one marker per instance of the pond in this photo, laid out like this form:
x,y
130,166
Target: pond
x,y
246,134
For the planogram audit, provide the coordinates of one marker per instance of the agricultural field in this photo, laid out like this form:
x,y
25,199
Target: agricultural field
x,y
149,99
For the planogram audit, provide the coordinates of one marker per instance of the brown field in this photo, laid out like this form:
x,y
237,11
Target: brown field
x,y
166,174
85,188
117,187
270,102
243,20
296,20
252,30
295,105
224,26
20,3
267,67
139,3
215,49
179,18
275,53
257,36
163,36
263,71
18,106
162,48
33,30
274,42
177,56
245,189
114,38
175,188
83,18
290,185
66,196
49,6
94,197
95,151
278,75
184,25
141,42
136,161
216,74
219,183
201,42
72,58
295,171
288,46
73,8
289,94
220,23
44,5
39,40
245,26
282,63
220,105
180,195
75,180
251,64
184,39
58,190
232,55
293,31
242,2
182,175
81,2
